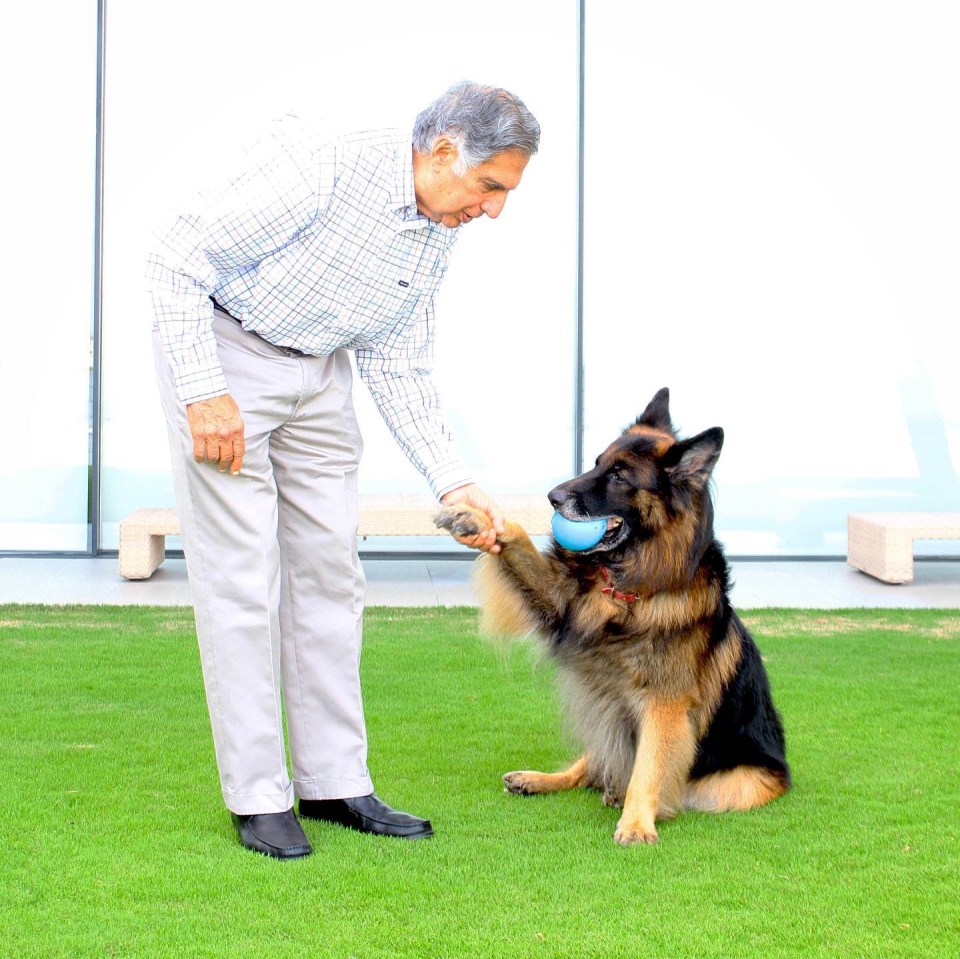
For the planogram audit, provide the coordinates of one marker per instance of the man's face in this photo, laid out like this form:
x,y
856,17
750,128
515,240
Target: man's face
x,y
444,197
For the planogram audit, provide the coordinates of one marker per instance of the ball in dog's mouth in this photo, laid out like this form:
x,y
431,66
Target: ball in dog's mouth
x,y
579,535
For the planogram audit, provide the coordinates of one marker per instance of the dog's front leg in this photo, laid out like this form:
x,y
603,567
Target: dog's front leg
x,y
521,589
526,782
666,748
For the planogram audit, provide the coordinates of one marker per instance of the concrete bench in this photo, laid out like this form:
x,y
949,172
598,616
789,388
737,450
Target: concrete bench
x,y
881,544
143,533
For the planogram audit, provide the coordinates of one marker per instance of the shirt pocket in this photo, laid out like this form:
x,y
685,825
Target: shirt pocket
x,y
400,279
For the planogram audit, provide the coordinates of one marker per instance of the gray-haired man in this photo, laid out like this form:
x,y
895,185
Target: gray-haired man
x,y
319,244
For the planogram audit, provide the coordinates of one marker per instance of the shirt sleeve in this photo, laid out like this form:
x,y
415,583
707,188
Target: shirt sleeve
x,y
284,183
398,374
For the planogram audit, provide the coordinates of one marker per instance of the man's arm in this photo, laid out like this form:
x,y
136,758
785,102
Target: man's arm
x,y
402,387
283,184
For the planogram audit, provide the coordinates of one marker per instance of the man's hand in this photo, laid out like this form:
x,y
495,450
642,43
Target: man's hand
x,y
472,495
217,429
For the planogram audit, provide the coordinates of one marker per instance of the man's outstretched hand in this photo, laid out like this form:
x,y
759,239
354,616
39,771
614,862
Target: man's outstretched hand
x,y
473,495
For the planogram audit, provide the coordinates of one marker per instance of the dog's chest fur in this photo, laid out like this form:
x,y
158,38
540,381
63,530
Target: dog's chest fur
x,y
625,649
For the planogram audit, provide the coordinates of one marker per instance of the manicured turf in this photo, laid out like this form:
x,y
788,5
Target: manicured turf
x,y
114,841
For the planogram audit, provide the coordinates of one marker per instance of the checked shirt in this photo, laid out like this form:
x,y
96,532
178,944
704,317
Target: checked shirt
x,y
316,244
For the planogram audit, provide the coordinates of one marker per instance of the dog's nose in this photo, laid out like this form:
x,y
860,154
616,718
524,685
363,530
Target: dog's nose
x,y
557,496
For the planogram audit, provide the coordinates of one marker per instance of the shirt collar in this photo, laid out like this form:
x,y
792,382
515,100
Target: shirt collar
x,y
403,197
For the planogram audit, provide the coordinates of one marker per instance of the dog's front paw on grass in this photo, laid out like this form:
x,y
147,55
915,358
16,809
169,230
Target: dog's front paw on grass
x,y
462,520
635,833
522,783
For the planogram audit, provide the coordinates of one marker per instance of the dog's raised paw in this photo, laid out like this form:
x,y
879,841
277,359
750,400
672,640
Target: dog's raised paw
x,y
459,520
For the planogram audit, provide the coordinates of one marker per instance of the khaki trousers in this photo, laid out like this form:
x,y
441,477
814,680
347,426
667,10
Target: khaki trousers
x,y
277,585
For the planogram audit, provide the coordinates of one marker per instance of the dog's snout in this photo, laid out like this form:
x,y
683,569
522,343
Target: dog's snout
x,y
558,496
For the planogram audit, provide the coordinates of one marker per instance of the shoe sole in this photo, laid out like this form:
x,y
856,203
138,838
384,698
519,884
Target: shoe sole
x,y
423,832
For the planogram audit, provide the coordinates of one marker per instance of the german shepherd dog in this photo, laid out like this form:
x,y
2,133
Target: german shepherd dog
x,y
664,683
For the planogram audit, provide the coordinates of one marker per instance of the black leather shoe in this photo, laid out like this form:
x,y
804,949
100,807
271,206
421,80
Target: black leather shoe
x,y
276,834
367,814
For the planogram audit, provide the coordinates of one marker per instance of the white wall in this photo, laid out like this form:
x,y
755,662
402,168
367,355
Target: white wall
x,y
185,84
772,200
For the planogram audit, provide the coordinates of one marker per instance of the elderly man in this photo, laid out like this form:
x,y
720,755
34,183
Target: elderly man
x,y
320,243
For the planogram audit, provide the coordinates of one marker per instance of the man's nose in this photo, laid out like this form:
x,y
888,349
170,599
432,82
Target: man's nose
x,y
493,206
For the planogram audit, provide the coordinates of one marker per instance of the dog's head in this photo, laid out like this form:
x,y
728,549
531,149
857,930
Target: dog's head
x,y
644,480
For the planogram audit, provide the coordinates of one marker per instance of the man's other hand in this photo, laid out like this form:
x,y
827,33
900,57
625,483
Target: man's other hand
x,y
217,429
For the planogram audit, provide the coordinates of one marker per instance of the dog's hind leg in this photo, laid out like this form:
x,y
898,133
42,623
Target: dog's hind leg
x,y
734,789
528,783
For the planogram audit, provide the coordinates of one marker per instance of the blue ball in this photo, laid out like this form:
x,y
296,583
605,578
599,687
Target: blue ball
x,y
577,535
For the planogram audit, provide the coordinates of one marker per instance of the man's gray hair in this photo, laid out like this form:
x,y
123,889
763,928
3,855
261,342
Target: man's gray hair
x,y
482,121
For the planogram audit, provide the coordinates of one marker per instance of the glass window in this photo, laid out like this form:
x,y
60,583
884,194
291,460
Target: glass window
x,y
772,201
48,69
187,84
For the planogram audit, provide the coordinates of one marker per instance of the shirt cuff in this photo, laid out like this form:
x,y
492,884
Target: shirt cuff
x,y
448,476
193,385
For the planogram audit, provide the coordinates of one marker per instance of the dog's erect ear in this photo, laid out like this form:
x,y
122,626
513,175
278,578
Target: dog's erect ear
x,y
657,413
693,459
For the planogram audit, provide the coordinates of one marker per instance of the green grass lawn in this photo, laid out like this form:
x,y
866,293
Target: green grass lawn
x,y
114,841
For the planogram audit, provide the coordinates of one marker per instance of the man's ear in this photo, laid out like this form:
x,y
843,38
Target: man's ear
x,y
444,151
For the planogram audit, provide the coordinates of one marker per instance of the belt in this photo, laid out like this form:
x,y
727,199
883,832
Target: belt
x,y
289,350
223,309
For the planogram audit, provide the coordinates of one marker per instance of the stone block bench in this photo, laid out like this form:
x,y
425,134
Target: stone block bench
x,y
881,544
143,533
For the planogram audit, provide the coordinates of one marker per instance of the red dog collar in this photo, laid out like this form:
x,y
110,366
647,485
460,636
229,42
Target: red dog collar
x,y
610,591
